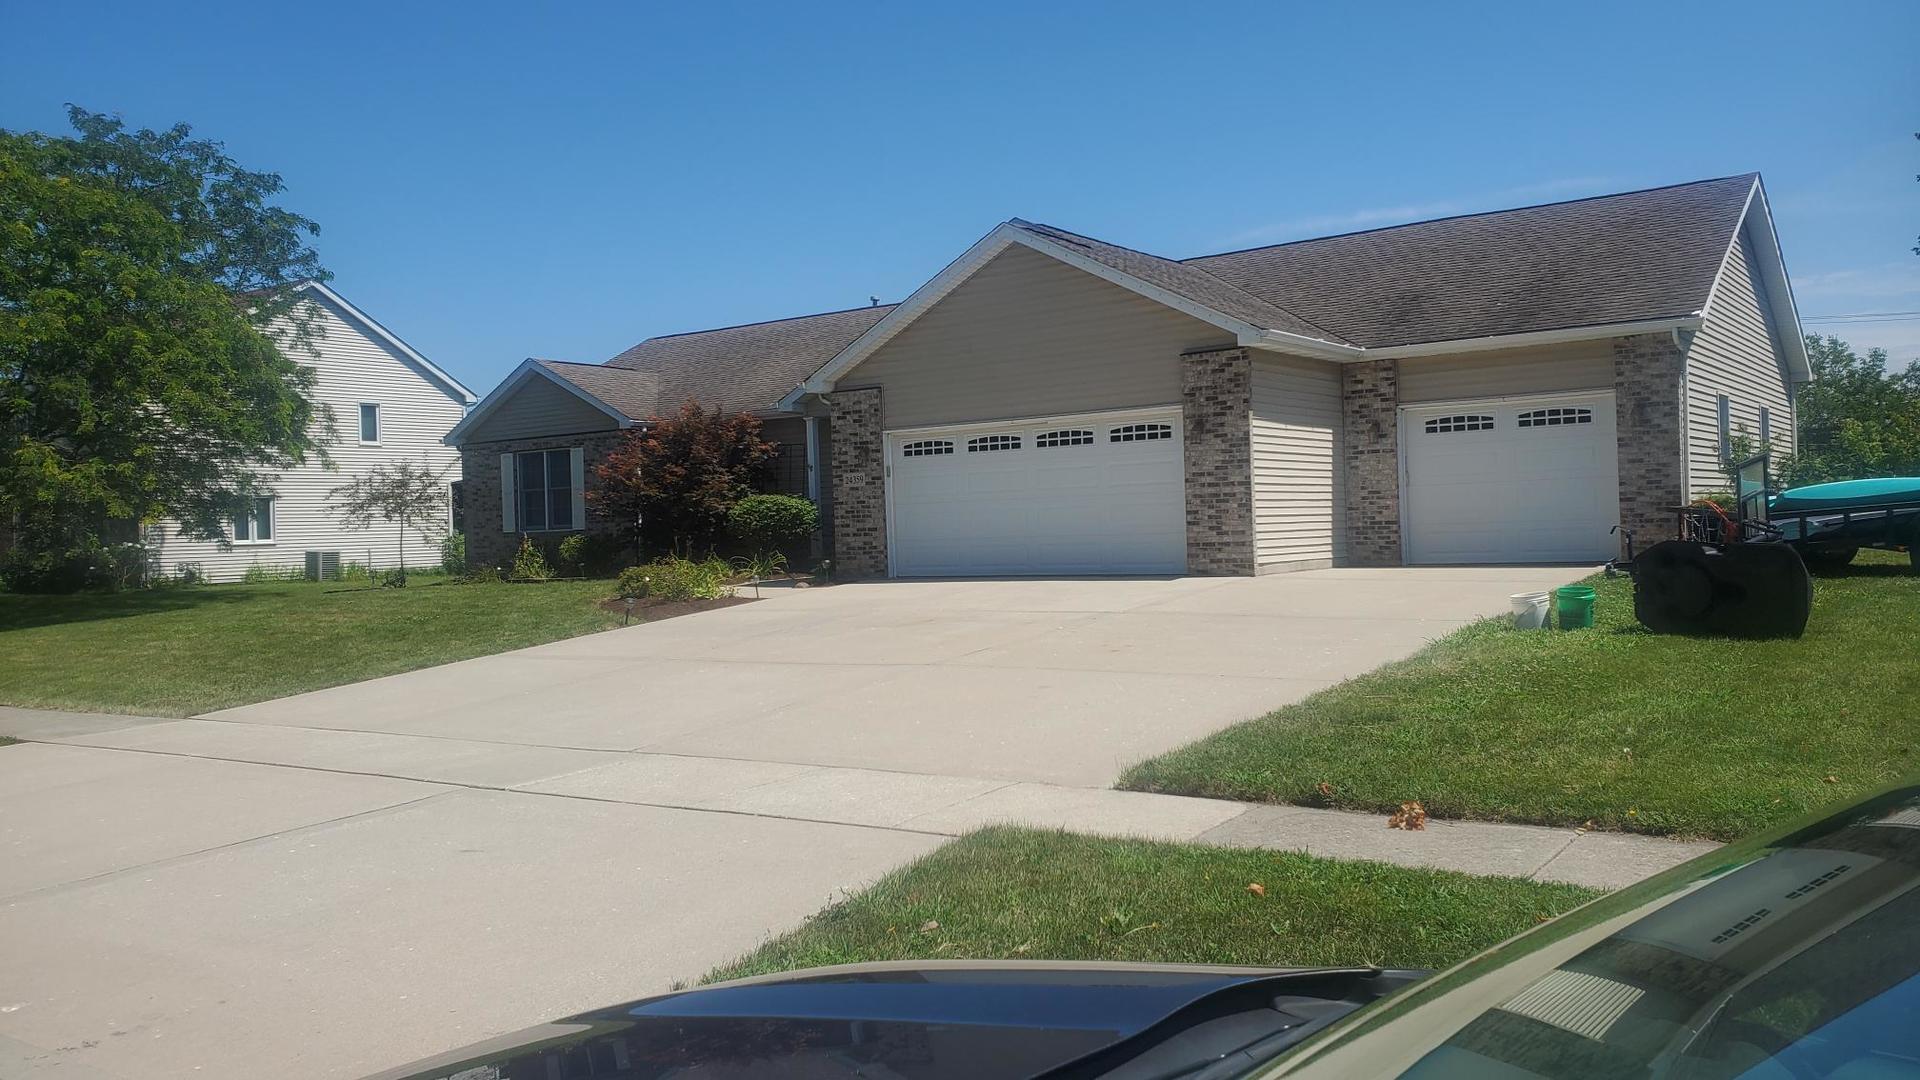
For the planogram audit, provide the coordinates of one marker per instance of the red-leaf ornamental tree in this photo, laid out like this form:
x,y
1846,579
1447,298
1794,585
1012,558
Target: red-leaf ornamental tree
x,y
680,475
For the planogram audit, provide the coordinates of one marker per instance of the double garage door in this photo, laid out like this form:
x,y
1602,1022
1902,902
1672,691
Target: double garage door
x,y
1100,494
1510,481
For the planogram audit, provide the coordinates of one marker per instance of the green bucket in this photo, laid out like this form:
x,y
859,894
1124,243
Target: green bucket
x,y
1573,606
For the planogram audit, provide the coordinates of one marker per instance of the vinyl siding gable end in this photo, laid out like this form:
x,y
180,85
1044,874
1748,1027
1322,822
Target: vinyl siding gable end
x,y
1736,353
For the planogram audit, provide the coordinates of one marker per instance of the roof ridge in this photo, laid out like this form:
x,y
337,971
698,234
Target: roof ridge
x,y
1473,214
1332,335
764,322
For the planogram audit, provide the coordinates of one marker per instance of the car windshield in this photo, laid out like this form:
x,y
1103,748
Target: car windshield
x,y
1791,959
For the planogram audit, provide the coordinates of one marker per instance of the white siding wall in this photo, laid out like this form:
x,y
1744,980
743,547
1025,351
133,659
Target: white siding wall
x,y
536,410
1736,354
1574,365
415,411
1028,335
1299,488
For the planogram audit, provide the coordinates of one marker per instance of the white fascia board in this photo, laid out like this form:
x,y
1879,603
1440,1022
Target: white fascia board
x,y
1281,341
947,280
1773,269
460,391
1536,337
528,369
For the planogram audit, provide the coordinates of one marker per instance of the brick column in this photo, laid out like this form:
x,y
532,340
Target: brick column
x,y
859,485
1370,401
1216,408
1650,422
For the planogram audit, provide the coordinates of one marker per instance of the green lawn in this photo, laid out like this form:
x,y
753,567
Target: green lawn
x,y
1024,893
179,651
1629,730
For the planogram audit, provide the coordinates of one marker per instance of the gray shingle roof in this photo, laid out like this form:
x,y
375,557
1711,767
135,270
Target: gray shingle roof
x,y
738,368
1185,279
1609,259
634,393
1615,258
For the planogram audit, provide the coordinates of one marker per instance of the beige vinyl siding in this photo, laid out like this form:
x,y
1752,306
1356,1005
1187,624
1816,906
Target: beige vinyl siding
x,y
539,408
1299,489
416,410
1542,369
1027,335
1735,353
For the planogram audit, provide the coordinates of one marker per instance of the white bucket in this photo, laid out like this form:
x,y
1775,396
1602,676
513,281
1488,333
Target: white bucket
x,y
1529,610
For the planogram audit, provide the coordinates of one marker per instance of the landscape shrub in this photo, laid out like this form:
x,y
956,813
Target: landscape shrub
x,y
573,553
453,553
770,523
259,574
674,578
529,563
70,565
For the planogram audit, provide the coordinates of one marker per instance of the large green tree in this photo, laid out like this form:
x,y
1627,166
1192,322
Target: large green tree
x,y
147,310
1857,418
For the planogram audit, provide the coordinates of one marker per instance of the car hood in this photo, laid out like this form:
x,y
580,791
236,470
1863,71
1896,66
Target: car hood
x,y
918,1020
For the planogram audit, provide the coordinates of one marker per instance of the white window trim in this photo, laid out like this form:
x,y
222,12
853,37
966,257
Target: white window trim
x,y
253,523
379,423
510,495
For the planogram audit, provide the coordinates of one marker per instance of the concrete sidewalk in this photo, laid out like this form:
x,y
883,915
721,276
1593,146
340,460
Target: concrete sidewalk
x,y
889,800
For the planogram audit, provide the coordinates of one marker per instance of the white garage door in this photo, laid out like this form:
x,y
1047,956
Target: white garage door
x,y
1511,481
1079,495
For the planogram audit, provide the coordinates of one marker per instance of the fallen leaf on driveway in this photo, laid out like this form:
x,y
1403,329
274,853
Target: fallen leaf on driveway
x,y
1411,816
1257,889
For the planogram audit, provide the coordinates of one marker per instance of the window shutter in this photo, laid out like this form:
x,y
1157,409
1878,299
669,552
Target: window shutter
x,y
579,459
508,498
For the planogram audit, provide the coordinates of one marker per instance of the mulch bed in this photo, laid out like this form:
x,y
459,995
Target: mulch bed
x,y
655,610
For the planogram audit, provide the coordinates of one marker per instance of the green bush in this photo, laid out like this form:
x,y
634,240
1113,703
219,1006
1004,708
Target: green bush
x,y
573,553
529,564
772,522
260,574
453,553
482,575
674,578
36,565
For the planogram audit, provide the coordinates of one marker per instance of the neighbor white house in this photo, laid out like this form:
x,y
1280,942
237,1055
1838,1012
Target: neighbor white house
x,y
389,404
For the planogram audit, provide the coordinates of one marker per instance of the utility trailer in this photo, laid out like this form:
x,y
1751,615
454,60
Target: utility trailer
x,y
1829,523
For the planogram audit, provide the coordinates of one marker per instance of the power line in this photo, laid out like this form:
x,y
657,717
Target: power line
x,y
1891,316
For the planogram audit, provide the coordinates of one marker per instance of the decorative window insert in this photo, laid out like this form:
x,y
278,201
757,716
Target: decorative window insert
x,y
1441,425
543,484
926,448
1555,417
1140,432
1064,437
988,443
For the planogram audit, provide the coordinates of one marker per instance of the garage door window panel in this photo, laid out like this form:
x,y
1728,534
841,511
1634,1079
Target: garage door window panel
x,y
927,448
1539,418
1047,440
1141,433
987,444
1447,425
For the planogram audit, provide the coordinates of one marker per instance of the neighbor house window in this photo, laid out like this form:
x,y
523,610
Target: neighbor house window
x,y
1725,411
256,525
1766,429
369,423
543,486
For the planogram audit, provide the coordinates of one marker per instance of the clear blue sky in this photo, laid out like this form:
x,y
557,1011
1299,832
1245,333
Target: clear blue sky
x,y
499,180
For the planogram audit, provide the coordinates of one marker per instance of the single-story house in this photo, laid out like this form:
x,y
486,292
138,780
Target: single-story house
x,y
389,404
1497,387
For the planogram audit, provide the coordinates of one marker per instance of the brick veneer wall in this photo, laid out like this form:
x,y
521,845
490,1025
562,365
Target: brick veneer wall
x,y
1650,417
487,545
1370,400
859,485
1216,407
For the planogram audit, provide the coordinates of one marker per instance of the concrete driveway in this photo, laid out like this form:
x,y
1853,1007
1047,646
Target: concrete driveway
x,y
337,882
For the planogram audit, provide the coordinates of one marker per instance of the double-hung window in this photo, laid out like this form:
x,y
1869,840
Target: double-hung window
x,y
256,525
369,423
543,489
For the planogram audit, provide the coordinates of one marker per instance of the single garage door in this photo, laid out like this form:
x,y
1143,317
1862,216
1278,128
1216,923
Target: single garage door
x,y
1075,495
1510,481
